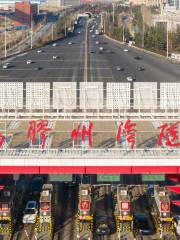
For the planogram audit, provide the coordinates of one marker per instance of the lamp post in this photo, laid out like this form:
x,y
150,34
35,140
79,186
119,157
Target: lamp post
x,y
31,32
5,38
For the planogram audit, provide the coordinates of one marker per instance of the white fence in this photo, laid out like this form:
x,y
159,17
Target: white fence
x,y
112,100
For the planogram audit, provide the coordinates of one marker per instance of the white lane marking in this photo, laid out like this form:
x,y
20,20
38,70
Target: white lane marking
x,y
26,234
44,77
30,69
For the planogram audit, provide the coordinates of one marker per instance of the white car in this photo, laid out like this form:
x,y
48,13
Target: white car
x,y
101,48
30,212
28,61
54,45
79,32
93,36
130,79
55,57
69,43
6,65
126,50
90,30
97,42
177,224
119,68
39,51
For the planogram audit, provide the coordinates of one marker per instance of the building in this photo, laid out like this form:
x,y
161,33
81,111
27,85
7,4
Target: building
x,y
10,4
147,2
24,13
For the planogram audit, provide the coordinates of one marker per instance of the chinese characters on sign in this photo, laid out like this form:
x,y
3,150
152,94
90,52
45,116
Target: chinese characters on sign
x,y
169,133
38,127
2,140
83,133
128,131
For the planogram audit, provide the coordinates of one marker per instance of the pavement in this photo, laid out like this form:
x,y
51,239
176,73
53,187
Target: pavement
x,y
100,67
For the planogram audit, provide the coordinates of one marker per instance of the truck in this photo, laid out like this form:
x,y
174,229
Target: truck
x,y
162,212
123,210
85,217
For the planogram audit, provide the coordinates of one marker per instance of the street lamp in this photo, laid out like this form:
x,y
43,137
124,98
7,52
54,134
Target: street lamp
x,y
31,32
5,38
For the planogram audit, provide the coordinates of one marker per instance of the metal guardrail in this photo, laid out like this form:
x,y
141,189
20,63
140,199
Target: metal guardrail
x,y
90,153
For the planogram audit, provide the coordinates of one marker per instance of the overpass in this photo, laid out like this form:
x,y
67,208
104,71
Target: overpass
x,y
85,14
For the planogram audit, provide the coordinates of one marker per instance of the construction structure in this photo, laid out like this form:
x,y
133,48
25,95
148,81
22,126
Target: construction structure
x,y
123,211
162,212
84,217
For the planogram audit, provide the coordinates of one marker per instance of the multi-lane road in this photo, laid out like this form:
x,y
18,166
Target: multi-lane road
x,y
71,61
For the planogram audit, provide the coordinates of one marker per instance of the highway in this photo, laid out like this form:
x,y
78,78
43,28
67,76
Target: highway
x,y
100,67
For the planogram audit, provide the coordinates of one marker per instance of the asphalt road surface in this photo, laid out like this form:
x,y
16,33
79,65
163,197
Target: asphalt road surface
x,y
100,67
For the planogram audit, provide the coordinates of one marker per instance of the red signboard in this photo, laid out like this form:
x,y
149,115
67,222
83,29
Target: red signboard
x,y
45,207
4,207
84,205
125,206
165,206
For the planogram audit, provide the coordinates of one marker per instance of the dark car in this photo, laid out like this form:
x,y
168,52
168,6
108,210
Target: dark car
x,y
36,185
102,224
38,68
137,57
142,225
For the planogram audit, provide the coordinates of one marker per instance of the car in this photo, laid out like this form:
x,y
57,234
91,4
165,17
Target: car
x,y
126,50
130,79
36,186
93,36
102,224
140,68
90,30
69,43
54,44
30,213
177,224
97,42
92,51
137,57
110,51
6,65
79,32
55,57
101,49
29,61
38,68
39,51
119,68
141,224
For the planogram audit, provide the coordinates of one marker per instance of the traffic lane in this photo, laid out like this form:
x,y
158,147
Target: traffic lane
x,y
156,69
107,62
51,68
74,49
99,69
103,205
65,211
128,65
